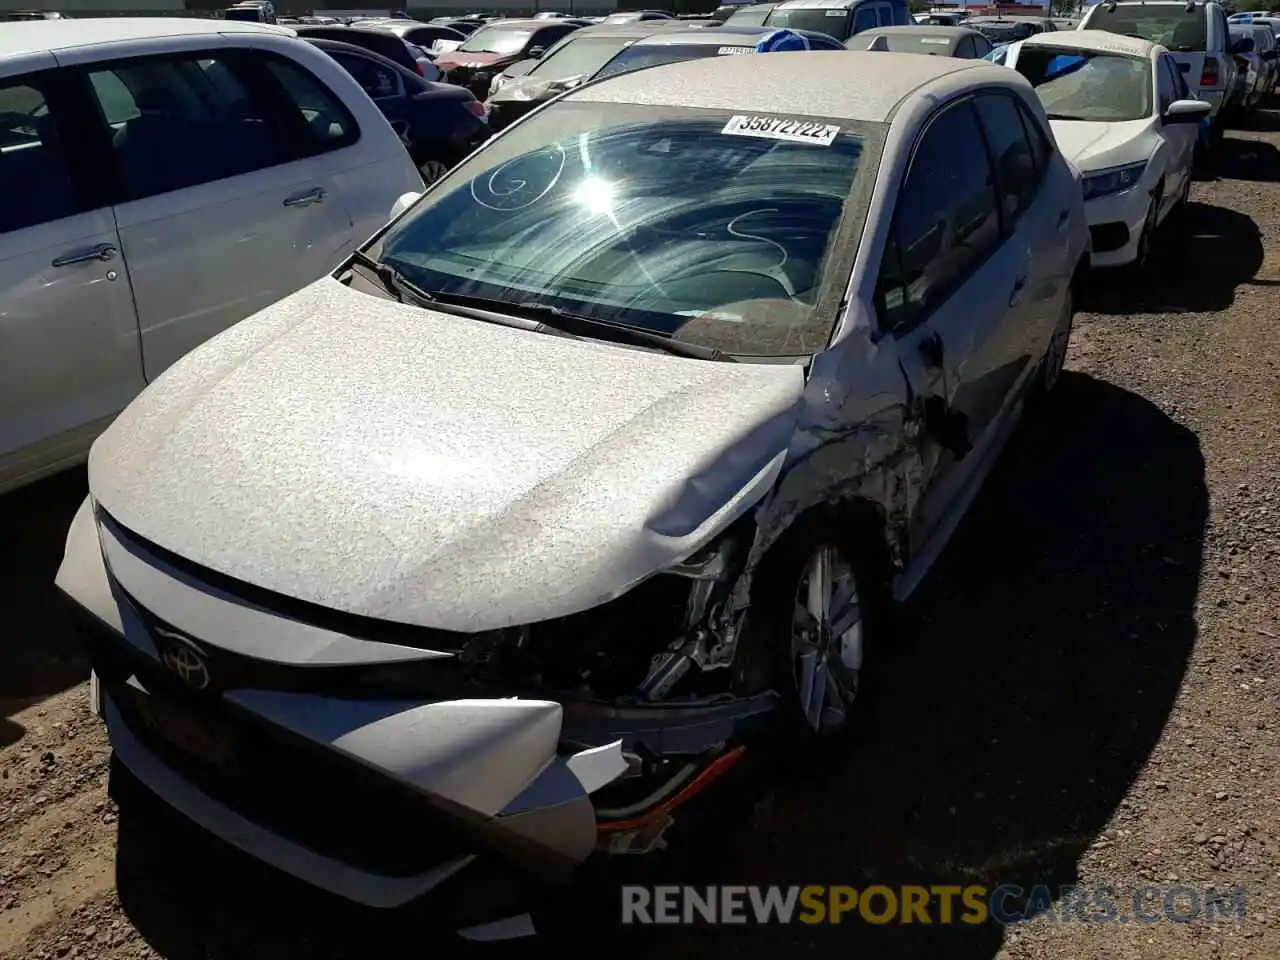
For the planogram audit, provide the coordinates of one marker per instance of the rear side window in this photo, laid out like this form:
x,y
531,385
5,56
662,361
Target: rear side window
x,y
901,14
1170,25
35,183
329,123
1037,138
885,14
1011,154
181,121
946,222
374,79
864,19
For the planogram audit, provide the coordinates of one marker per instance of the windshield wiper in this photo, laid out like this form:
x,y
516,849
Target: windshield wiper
x,y
575,324
393,281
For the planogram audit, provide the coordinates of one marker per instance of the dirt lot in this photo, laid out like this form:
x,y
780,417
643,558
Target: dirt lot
x,y
1092,695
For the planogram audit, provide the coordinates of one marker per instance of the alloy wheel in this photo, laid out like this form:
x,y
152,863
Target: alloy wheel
x,y
826,640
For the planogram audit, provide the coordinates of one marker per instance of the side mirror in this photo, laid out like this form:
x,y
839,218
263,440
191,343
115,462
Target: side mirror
x,y
536,52
1186,111
405,201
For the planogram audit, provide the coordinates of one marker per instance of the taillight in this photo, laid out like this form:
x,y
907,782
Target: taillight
x,y
478,109
1209,74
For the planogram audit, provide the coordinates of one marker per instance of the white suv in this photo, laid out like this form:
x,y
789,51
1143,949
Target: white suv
x,y
161,179
1197,35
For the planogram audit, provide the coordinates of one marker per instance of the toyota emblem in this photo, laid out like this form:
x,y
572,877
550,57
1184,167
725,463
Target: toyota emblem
x,y
185,659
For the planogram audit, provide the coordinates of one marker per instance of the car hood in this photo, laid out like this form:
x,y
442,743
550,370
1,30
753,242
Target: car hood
x,y
461,58
422,468
1091,145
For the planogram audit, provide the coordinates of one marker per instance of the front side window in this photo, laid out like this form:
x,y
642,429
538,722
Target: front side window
x,y
35,183
1088,85
710,227
499,40
181,121
1167,24
580,57
1011,153
946,222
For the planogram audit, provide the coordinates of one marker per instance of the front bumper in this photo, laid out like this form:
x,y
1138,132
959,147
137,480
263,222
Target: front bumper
x,y
1115,224
378,801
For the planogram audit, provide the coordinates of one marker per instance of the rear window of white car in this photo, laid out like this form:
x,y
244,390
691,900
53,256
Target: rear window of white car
x,y
1087,85
1172,26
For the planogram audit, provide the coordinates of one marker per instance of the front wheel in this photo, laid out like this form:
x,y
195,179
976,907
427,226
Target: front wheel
x,y
820,607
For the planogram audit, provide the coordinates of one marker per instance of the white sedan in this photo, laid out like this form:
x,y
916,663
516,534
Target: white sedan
x,y
1122,113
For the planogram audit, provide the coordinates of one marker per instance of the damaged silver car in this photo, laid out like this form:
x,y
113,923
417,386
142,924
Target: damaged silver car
x,y
604,461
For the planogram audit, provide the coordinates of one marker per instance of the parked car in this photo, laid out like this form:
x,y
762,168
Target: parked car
x,y
462,25
1253,46
1000,30
18,16
672,46
379,41
938,19
490,50
426,35
841,19
1195,33
632,16
179,190
251,11
750,15
936,41
1123,114
438,122
574,60
370,585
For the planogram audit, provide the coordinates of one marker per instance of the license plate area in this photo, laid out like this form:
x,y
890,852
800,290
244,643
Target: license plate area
x,y
187,731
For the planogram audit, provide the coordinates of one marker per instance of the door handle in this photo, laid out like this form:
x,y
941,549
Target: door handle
x,y
1015,295
103,252
306,199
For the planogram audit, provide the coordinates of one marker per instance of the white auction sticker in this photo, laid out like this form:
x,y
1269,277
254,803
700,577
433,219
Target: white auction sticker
x,y
775,128
730,51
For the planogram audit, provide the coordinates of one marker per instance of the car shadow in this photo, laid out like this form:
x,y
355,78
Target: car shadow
x,y
1224,246
1034,674
1247,159
39,653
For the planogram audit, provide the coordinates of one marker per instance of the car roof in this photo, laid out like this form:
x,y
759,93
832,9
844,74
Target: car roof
x,y
520,22
32,36
730,35
1100,41
849,85
921,30
628,31
816,4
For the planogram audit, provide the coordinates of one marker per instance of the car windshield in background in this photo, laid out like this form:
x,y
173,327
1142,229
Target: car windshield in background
x,y
714,228
580,57
496,40
1003,32
655,55
1175,27
749,18
824,20
922,42
1086,85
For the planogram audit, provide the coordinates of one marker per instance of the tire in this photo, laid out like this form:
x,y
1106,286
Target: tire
x,y
1142,258
783,650
432,171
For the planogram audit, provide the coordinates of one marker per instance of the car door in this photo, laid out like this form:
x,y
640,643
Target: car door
x,y
1035,222
220,212
944,286
69,357
1181,137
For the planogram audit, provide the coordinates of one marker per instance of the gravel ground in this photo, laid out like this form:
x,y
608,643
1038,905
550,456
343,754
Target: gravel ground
x,y
1091,694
